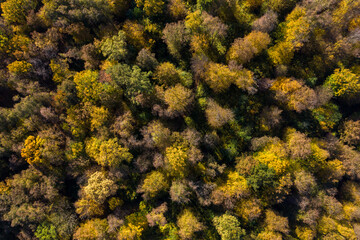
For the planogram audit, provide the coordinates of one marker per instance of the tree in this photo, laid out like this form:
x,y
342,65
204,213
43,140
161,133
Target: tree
x,y
32,150
114,48
99,187
177,9
216,115
135,83
16,11
298,144
151,7
176,157
19,67
188,224
266,23
351,132
208,34
244,49
108,153
156,216
136,35
88,208
157,135
270,117
262,178
178,98
46,232
87,85
295,94
179,192
235,188
344,83
275,222
92,229
327,115
228,227
176,38
154,183
219,77
146,60
304,182
167,74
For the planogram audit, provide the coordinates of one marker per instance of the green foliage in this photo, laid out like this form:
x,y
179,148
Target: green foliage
x,y
327,116
228,227
46,232
262,178
135,82
114,48
179,119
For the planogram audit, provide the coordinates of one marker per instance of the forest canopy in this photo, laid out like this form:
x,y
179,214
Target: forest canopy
x,y
179,119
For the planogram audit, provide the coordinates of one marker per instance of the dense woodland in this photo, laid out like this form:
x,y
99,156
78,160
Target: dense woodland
x,y
179,119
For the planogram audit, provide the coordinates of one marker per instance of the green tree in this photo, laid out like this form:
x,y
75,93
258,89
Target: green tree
x,y
135,83
114,48
228,227
262,178
46,232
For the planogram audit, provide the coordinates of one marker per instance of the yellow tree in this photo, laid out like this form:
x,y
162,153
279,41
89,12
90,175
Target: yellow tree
x,y
244,49
178,98
32,150
176,158
344,83
154,183
188,224
15,11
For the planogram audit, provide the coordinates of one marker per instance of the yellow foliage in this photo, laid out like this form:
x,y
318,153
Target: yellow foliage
x,y
130,232
305,233
60,70
269,235
99,116
178,98
281,53
87,85
19,67
114,202
32,150
347,232
135,34
177,157
248,209
275,156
